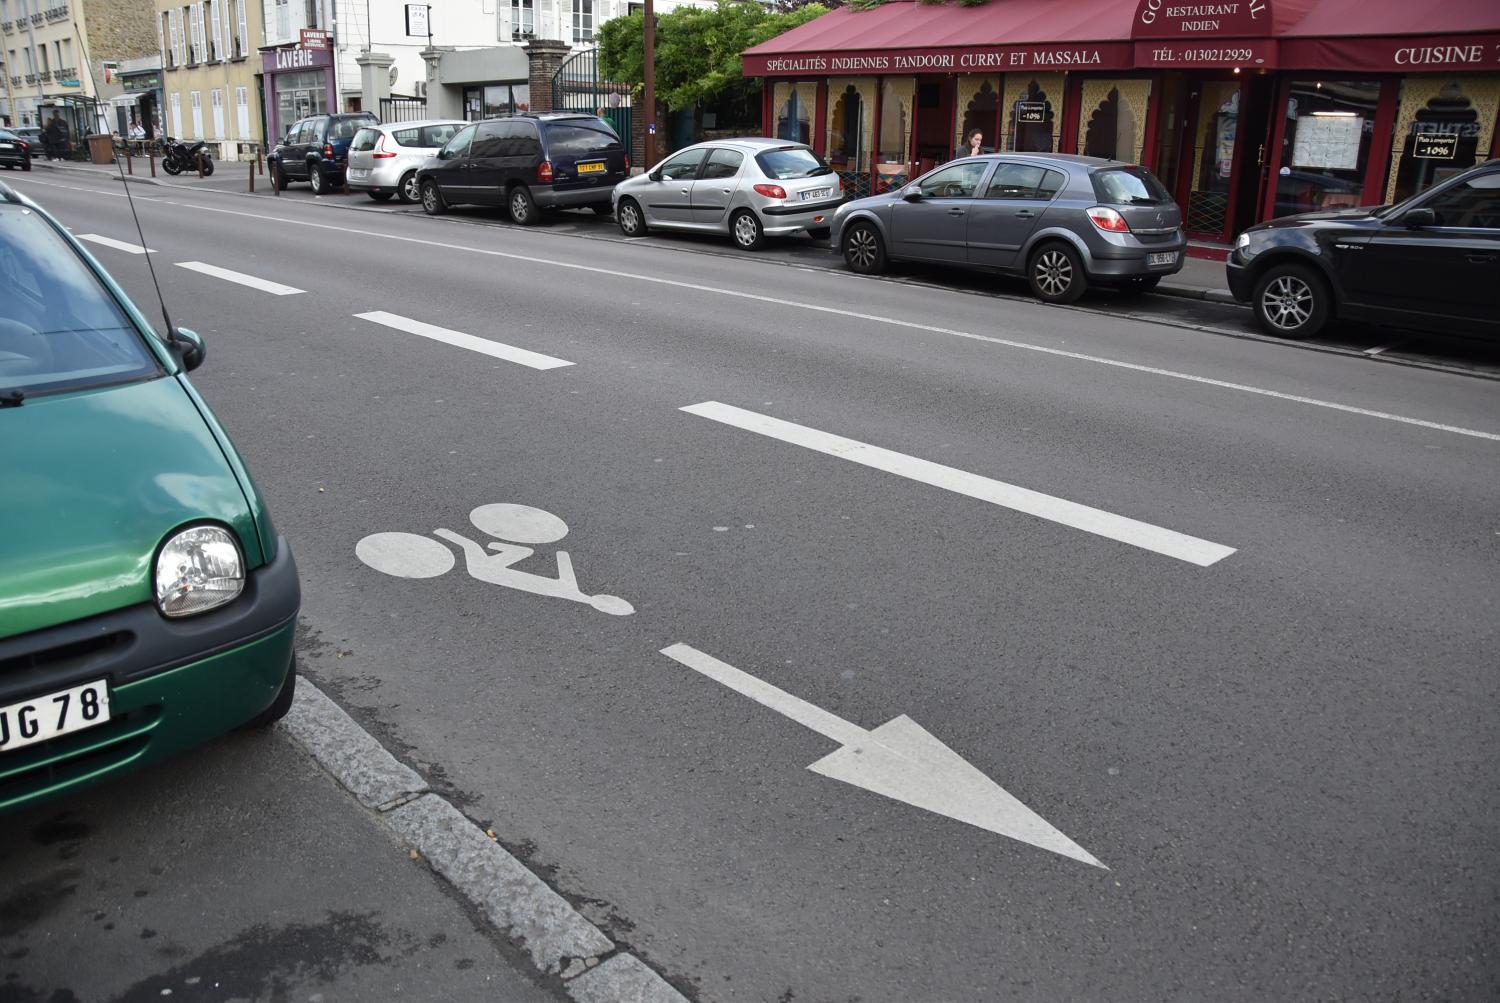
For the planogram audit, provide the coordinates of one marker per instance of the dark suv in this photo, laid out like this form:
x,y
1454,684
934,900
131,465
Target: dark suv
x,y
1430,263
316,150
527,163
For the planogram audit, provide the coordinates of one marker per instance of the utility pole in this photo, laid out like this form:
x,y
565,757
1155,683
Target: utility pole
x,y
650,86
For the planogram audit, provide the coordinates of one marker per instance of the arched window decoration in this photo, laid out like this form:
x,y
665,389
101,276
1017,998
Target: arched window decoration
x,y
848,145
1031,120
793,118
1111,130
981,112
1442,140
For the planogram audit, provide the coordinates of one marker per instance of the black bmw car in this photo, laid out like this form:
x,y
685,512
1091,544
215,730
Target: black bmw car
x,y
1431,263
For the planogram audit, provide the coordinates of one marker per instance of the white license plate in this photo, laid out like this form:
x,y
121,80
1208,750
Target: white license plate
x,y
54,714
7,146
816,193
359,172
1162,258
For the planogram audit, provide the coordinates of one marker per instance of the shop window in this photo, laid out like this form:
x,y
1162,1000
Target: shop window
x,y
1325,152
1213,156
895,132
1442,137
793,117
1032,122
1110,132
981,112
847,140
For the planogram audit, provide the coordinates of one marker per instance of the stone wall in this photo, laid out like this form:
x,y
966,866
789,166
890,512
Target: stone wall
x,y
116,30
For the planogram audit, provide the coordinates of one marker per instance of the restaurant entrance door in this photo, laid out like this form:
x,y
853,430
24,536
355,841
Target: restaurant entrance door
x,y
1210,149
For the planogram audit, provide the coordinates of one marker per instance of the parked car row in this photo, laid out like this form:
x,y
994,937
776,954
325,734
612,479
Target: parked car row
x,y
15,151
1063,223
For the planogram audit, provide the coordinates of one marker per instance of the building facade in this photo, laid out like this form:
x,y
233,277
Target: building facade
x,y
1246,110
60,58
209,64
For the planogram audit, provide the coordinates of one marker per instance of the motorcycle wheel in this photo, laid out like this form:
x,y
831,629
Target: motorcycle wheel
x,y
208,167
171,166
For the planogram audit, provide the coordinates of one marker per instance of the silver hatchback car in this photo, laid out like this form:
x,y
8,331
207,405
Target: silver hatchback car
x,y
750,189
383,159
1061,221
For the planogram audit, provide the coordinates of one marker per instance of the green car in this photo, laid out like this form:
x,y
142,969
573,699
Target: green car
x,y
146,602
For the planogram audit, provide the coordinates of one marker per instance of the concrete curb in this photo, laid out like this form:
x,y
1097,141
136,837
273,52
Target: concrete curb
x,y
560,941
1194,292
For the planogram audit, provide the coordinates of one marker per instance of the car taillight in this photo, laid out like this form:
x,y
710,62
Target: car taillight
x,y
838,180
25,146
1107,219
328,150
380,152
771,191
544,171
627,163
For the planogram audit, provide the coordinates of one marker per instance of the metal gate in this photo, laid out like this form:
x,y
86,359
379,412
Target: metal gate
x,y
576,87
403,109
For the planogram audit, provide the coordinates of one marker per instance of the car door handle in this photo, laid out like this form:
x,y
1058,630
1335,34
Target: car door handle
x,y
684,191
955,211
1481,259
1025,214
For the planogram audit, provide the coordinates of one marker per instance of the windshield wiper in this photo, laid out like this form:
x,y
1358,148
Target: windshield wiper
x,y
12,398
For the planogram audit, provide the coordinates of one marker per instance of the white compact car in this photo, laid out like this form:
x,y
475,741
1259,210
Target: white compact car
x,y
383,159
748,188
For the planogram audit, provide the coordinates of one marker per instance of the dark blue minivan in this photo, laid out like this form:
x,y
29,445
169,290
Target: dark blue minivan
x,y
527,163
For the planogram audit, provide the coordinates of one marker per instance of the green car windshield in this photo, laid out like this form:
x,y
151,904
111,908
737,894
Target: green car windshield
x,y
60,329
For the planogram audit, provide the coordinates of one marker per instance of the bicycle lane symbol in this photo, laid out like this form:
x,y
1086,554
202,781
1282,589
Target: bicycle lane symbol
x,y
408,555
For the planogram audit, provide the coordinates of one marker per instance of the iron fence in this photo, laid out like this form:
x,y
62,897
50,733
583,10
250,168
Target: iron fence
x,y
577,86
402,109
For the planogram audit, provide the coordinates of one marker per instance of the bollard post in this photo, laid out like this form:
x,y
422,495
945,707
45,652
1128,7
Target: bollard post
x,y
151,158
199,158
275,188
260,163
251,164
129,162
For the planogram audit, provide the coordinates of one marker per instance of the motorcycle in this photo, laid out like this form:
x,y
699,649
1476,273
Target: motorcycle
x,y
178,156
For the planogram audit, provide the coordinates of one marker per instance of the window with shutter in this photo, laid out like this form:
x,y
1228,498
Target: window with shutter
x,y
218,36
242,37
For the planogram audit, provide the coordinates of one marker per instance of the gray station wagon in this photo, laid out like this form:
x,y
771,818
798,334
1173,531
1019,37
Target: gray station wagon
x,y
1062,221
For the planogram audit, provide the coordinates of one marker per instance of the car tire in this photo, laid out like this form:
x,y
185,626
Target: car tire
x,y
1140,285
380,196
523,210
407,189
819,232
25,165
433,203
631,219
316,179
1056,274
746,230
1292,301
280,705
864,249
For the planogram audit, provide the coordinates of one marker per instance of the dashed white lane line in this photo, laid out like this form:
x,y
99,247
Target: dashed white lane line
x,y
1091,520
499,350
118,245
228,275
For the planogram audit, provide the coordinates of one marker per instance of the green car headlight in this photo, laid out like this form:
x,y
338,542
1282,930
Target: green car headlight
x,y
197,570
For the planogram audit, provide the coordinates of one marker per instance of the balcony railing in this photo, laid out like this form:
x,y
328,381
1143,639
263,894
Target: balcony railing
x,y
5,26
66,73
45,76
31,78
38,18
59,13
15,81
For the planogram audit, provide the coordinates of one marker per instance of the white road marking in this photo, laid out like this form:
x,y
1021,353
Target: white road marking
x,y
1091,520
228,275
118,245
484,346
1379,349
874,318
900,759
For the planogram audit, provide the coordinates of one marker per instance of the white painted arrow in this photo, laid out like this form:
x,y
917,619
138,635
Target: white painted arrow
x,y
899,759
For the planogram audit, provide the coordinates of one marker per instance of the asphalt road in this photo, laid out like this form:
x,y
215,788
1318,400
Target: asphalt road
x,y
1284,756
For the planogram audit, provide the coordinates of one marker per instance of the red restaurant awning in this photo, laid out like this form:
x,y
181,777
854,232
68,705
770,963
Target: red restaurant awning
x,y
902,36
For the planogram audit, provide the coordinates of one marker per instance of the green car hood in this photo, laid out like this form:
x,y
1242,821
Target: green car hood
x,y
90,485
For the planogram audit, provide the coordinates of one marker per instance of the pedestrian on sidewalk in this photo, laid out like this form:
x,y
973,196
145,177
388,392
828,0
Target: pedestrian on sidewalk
x,y
56,137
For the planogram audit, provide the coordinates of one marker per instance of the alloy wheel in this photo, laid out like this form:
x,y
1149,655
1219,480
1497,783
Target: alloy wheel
x,y
1054,272
862,248
430,198
409,188
630,219
1287,303
746,232
519,207
315,180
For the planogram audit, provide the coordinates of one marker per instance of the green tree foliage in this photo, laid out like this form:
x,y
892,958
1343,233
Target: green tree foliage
x,y
697,51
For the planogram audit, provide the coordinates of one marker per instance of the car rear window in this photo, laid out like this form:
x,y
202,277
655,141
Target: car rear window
x,y
576,139
365,140
784,163
345,128
1129,186
60,329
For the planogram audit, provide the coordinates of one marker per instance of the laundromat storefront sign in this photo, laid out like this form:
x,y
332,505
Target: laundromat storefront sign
x,y
955,59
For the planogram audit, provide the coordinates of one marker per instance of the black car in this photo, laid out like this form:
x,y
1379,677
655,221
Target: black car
x,y
527,163
316,150
1430,263
14,151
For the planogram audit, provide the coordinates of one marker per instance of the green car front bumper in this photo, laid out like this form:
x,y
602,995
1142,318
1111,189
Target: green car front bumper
x,y
172,684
